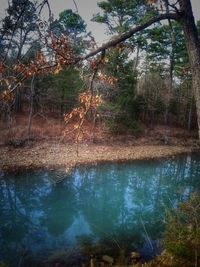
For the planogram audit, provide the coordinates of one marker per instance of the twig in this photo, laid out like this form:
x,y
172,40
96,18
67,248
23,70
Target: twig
x,y
45,2
91,98
148,238
75,6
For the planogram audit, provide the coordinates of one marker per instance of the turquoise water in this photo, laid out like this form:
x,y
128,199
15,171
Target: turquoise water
x,y
110,206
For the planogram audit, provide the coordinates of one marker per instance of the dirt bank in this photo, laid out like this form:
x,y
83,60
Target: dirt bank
x,y
56,155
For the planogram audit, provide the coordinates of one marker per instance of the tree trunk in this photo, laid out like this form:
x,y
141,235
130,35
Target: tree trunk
x,y
189,117
18,100
193,49
31,108
170,86
136,58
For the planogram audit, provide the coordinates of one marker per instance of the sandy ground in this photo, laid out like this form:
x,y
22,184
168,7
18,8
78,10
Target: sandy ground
x,y
53,155
48,148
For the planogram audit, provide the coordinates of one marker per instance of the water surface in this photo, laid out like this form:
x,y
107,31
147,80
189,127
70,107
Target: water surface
x,y
114,205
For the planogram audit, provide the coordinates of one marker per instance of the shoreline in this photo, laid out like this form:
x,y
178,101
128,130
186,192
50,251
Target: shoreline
x,y
51,156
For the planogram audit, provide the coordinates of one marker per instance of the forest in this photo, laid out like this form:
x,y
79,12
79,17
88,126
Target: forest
x,y
139,83
66,101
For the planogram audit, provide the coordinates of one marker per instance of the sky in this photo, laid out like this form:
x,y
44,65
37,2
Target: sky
x,y
86,9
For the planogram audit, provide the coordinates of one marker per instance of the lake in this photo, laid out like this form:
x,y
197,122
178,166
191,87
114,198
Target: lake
x,y
97,209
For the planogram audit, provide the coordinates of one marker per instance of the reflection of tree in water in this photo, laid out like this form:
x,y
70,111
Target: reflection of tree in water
x,y
18,202
104,207
107,210
59,208
123,206
130,205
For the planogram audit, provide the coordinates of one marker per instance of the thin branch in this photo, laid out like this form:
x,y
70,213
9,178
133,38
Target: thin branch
x,y
19,83
75,6
45,2
174,7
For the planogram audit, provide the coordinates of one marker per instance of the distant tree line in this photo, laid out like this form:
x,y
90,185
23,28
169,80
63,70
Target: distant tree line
x,y
153,83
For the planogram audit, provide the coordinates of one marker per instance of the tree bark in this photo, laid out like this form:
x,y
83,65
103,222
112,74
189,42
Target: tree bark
x,y
193,49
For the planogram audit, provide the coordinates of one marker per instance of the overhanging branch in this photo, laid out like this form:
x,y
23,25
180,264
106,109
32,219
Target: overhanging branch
x,y
128,34
118,39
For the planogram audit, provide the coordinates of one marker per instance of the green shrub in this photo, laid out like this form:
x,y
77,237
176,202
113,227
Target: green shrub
x,y
182,234
182,237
